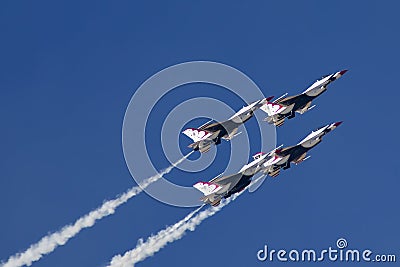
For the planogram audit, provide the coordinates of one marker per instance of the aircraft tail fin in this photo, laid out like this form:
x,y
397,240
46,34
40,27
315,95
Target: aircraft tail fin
x,y
207,188
273,109
196,134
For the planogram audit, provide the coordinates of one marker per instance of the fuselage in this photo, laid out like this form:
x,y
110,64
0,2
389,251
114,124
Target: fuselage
x,y
299,101
294,153
248,171
298,152
244,181
229,127
256,165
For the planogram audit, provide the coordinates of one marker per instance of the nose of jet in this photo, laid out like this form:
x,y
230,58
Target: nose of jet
x,y
269,98
333,126
265,100
336,124
342,72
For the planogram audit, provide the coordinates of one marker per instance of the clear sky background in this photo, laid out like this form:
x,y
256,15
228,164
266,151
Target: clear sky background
x,y
69,68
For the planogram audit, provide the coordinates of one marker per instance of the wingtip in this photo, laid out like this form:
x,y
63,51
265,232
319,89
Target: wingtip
x,y
269,98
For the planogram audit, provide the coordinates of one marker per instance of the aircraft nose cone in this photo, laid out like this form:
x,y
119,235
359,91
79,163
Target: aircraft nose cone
x,y
269,98
338,123
342,72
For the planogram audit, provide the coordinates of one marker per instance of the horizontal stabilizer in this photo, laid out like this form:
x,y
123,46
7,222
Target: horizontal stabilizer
x,y
204,148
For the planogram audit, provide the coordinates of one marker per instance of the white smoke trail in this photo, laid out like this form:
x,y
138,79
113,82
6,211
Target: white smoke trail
x,y
151,241
50,242
175,232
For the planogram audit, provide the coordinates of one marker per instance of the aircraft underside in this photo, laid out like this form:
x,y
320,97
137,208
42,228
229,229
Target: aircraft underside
x,y
241,185
299,103
297,153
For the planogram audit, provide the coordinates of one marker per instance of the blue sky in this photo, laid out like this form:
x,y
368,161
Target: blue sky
x,y
68,70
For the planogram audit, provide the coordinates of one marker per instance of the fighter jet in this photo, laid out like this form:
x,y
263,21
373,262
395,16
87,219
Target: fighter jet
x,y
286,107
298,153
211,133
223,187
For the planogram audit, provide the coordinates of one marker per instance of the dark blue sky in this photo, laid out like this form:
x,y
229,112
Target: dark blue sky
x,y
68,70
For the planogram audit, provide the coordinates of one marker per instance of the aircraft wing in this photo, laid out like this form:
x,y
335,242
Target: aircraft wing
x,y
228,181
301,102
229,127
288,100
286,151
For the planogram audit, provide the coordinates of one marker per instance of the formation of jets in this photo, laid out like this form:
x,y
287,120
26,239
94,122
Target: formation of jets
x,y
267,163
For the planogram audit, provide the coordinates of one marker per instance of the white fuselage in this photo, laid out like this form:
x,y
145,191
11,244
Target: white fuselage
x,y
317,88
254,166
246,113
262,162
315,136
